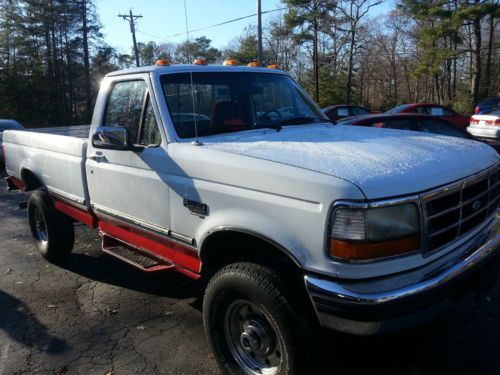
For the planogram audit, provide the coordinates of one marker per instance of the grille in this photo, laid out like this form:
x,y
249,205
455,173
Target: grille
x,y
455,210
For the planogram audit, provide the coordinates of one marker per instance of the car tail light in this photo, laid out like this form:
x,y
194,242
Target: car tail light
x,y
474,121
492,122
477,110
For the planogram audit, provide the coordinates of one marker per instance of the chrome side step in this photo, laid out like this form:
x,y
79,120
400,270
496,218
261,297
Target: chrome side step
x,y
132,255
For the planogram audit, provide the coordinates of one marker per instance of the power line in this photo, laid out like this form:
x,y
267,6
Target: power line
x,y
212,26
132,18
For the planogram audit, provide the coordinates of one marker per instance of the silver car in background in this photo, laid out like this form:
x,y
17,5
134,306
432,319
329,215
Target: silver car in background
x,y
7,125
486,126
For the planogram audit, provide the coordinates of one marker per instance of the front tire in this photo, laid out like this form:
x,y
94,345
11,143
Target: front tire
x,y
250,325
53,232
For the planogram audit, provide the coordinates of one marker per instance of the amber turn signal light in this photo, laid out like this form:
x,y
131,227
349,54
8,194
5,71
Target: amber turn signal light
x,y
361,250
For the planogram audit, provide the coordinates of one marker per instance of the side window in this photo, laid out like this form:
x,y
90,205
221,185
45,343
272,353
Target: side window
x,y
447,112
150,132
357,111
124,107
129,106
422,110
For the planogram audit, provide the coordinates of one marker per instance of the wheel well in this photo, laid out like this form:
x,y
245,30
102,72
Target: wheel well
x,y
225,247
30,180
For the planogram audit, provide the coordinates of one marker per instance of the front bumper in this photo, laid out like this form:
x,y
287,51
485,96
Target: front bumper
x,y
485,131
357,307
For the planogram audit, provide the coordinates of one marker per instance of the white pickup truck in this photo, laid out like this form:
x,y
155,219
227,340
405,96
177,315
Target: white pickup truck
x,y
233,175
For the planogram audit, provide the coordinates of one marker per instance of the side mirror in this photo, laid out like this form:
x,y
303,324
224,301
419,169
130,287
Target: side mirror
x,y
112,138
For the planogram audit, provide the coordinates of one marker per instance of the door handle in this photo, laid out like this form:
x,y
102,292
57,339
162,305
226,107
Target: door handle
x,y
97,157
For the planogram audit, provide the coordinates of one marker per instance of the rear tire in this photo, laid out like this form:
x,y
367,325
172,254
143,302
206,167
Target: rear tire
x,y
250,325
52,231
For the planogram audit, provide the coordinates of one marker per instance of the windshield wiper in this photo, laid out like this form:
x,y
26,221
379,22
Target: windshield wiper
x,y
299,120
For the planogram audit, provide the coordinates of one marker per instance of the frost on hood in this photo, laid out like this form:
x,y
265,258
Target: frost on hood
x,y
358,154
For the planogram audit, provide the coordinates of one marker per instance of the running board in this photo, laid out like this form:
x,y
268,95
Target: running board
x,y
133,256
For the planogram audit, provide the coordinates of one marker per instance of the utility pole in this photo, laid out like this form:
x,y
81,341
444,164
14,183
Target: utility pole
x,y
259,30
131,18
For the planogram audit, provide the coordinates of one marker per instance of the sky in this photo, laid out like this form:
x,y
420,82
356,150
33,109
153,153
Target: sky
x,y
164,19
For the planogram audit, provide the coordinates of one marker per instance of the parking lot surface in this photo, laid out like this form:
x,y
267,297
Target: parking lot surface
x,y
95,315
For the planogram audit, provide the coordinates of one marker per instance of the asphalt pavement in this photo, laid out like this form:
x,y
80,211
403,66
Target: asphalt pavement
x,y
95,315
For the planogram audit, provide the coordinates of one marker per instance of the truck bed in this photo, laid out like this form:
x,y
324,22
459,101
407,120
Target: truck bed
x,y
57,161
78,131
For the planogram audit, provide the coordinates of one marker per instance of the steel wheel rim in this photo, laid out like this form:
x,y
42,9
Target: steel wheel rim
x,y
252,338
40,227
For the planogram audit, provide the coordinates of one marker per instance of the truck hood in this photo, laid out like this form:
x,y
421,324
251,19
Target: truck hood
x,y
381,162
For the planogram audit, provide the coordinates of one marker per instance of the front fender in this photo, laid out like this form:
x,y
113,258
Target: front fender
x,y
257,225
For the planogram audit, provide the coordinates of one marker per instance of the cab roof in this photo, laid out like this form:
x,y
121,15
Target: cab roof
x,y
185,68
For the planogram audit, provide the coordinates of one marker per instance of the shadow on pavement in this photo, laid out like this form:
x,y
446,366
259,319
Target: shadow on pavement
x,y
22,326
106,269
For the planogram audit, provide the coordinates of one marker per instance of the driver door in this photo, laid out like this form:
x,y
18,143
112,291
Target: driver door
x,y
131,185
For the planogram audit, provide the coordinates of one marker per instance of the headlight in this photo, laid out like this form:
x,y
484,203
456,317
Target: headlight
x,y
369,233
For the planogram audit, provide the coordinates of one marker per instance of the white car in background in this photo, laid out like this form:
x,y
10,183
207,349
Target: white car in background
x,y
7,125
485,126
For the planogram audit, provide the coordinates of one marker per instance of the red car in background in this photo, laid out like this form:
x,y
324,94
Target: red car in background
x,y
434,110
414,122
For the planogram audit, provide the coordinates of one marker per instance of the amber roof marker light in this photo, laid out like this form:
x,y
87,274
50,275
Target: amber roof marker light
x,y
254,64
200,61
230,62
274,66
162,62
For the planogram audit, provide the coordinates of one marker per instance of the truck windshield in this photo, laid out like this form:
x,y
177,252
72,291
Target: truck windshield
x,y
235,101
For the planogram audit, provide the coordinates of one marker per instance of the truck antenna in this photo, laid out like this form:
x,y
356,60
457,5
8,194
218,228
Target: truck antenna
x,y
196,141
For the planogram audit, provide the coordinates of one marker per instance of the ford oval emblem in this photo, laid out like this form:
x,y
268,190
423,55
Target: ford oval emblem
x,y
476,205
